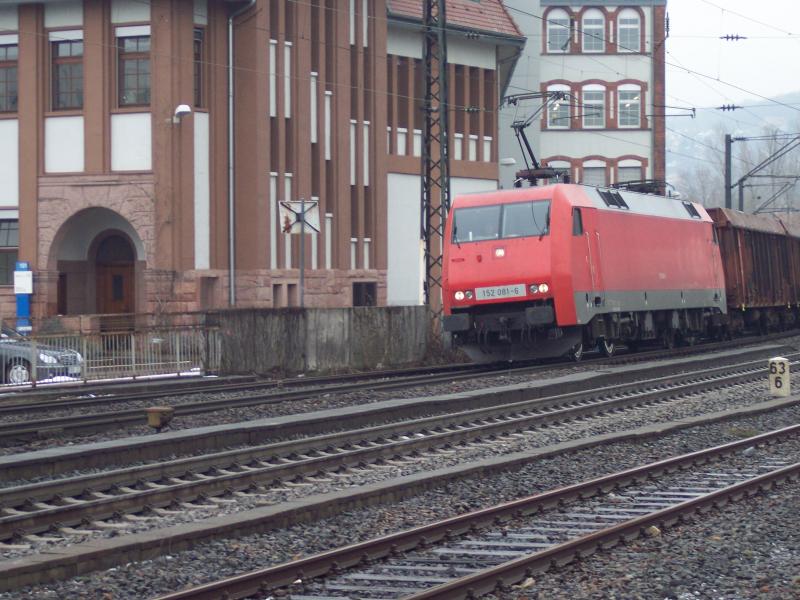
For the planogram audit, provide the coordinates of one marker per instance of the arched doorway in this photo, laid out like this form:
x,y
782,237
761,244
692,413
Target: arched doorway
x,y
115,274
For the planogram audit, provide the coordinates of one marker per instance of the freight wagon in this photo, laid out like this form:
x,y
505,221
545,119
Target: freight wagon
x,y
761,261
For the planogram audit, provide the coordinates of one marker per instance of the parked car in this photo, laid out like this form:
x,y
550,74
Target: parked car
x,y
18,354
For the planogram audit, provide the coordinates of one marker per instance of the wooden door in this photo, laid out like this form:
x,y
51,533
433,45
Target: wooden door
x,y
114,289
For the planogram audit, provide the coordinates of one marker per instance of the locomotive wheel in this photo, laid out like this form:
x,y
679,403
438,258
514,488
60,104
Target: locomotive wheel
x,y
606,347
576,352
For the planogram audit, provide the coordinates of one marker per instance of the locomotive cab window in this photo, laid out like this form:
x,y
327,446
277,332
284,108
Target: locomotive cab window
x,y
577,222
501,221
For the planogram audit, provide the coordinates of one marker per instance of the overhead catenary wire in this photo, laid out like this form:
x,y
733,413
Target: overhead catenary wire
x,y
306,79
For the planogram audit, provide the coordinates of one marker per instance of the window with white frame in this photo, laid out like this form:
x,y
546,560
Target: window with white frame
x,y
9,247
629,174
8,77
594,176
134,70
558,110
593,28
628,31
557,31
629,107
594,107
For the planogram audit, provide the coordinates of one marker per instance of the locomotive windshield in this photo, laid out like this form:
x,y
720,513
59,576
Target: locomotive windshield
x,y
498,221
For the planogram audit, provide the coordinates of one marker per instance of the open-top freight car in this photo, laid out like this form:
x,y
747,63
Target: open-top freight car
x,y
761,259
544,271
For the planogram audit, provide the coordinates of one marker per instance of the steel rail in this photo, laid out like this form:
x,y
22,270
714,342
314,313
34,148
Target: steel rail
x,y
98,422
144,449
286,574
458,371
31,510
75,397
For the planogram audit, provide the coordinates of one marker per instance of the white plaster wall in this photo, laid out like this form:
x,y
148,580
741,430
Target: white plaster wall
x,y
9,162
129,11
200,12
63,14
611,67
460,50
63,144
526,77
9,19
404,246
604,143
406,267
464,185
131,142
202,216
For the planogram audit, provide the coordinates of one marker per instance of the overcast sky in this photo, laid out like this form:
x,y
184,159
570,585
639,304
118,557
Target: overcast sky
x,y
767,63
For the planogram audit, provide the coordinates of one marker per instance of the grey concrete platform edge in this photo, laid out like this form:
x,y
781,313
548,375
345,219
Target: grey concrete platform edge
x,y
151,447
65,563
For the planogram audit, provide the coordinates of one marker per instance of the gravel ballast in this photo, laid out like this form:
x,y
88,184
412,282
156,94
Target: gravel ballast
x,y
228,557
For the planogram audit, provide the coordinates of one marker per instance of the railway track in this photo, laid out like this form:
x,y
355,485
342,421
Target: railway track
x,y
490,549
23,424
49,510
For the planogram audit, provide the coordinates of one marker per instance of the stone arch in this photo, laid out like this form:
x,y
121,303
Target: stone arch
x,y
98,255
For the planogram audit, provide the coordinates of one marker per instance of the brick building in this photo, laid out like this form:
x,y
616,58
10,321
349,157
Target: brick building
x,y
120,187
609,58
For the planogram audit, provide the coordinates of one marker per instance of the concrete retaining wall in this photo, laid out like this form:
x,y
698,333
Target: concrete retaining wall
x,y
323,340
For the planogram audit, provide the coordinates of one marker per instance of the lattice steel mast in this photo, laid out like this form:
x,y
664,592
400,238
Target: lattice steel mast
x,y
435,149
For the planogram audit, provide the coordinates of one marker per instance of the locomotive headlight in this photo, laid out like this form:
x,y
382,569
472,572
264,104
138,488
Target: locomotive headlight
x,y
544,288
469,295
533,288
459,295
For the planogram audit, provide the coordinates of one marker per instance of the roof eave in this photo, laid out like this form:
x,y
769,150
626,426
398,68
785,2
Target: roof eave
x,y
498,38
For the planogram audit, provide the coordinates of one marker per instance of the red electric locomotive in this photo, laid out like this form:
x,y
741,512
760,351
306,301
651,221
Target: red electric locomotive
x,y
551,270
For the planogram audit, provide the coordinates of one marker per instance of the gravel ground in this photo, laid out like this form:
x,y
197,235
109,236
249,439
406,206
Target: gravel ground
x,y
694,405
317,402
226,557
263,411
697,404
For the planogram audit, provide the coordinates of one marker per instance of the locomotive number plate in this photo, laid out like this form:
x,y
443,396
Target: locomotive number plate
x,y
500,291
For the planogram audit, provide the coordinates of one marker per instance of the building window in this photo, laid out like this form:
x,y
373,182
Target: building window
x,y
558,110
134,70
594,109
628,31
557,31
629,174
9,247
594,176
365,293
593,27
199,68
8,78
67,57
630,108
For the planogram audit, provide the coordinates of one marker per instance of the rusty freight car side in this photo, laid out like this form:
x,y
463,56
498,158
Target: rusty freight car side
x,y
761,261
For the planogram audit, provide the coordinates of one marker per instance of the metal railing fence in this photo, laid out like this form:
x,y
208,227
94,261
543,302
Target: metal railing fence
x,y
59,357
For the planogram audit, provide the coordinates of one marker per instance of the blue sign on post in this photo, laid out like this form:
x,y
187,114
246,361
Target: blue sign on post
x,y
23,288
